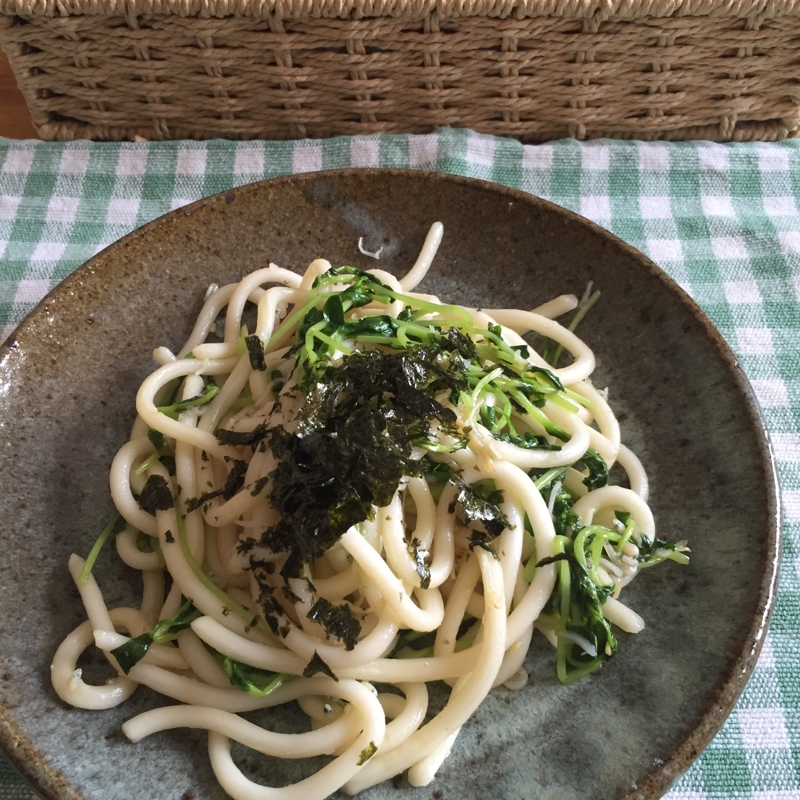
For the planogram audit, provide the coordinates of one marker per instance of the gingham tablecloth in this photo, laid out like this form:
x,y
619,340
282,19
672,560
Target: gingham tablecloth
x,y
722,220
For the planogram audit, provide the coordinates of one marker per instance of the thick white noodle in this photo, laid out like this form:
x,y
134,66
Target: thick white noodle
x,y
618,498
424,771
215,302
145,402
241,293
203,664
333,775
408,716
67,681
375,644
153,588
322,741
376,569
158,654
424,260
636,473
131,554
423,617
622,616
583,365
467,693
130,454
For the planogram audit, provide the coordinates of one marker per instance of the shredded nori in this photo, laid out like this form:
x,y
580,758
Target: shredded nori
x,y
337,621
156,495
233,483
552,559
480,539
246,545
353,445
255,350
259,485
260,563
169,463
317,665
241,438
422,561
459,342
271,607
480,506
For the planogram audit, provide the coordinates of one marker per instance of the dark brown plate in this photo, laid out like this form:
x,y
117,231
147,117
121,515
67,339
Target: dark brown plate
x,y
67,383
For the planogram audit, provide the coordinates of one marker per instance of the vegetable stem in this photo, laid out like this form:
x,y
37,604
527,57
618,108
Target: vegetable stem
x,y
114,526
226,599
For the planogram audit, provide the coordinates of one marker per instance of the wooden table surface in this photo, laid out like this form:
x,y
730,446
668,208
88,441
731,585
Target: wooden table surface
x,y
15,121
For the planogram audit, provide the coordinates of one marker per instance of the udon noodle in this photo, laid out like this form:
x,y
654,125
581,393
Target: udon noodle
x,y
365,491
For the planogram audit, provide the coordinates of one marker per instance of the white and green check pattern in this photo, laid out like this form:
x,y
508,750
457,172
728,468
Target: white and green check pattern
x,y
722,220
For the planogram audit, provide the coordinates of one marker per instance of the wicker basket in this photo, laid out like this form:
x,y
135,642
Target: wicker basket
x,y
535,69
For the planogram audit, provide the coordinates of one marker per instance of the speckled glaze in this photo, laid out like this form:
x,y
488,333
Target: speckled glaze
x,y
67,383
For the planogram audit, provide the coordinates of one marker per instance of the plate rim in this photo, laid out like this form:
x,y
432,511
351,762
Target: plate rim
x,y
655,780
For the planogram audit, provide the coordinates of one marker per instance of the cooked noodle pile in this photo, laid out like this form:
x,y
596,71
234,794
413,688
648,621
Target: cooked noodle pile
x,y
369,488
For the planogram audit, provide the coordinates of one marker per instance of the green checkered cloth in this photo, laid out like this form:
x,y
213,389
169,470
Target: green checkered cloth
x,y
722,220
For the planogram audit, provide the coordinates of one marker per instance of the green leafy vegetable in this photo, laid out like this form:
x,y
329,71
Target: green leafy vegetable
x,y
552,352
253,681
134,650
174,410
585,638
598,470
495,421
585,618
654,551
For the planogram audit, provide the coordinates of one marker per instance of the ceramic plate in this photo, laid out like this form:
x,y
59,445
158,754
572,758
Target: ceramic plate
x,y
67,382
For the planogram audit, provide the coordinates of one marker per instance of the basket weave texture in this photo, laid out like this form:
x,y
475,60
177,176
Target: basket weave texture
x,y
535,69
